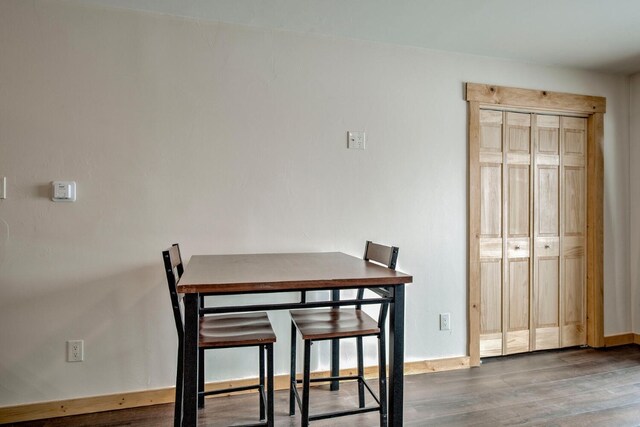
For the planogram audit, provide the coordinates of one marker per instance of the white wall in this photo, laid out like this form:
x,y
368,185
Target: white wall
x,y
233,139
634,170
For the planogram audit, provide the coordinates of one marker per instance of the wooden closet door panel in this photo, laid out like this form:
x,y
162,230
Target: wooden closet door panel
x,y
518,311
573,229
574,201
574,132
518,133
491,308
548,141
491,200
549,276
490,131
573,277
518,184
491,277
574,293
491,235
548,201
517,200
546,282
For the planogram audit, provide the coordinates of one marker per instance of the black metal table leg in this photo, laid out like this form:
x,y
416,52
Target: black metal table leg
x,y
201,368
335,351
360,356
190,367
396,357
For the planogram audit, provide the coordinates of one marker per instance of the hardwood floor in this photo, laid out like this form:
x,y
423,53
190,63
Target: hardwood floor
x,y
575,387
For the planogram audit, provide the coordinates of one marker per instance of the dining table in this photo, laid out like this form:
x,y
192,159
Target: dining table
x,y
246,274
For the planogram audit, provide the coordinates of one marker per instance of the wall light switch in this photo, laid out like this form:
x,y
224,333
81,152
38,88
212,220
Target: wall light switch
x,y
64,191
355,140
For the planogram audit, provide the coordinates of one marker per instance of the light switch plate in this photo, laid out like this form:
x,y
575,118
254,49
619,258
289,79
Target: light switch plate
x,y
355,140
63,191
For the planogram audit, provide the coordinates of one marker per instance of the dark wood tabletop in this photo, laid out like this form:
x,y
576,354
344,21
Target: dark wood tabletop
x,y
283,272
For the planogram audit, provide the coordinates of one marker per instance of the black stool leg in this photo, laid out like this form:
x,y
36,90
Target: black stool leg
x,y
292,382
305,383
360,371
382,382
177,412
201,378
270,403
260,394
201,367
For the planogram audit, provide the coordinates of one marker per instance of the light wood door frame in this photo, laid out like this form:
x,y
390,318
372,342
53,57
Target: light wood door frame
x,y
593,107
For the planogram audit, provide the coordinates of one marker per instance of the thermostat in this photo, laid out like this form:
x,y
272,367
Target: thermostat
x,y
64,191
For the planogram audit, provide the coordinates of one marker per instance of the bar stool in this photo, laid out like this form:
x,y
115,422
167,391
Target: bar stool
x,y
222,331
340,323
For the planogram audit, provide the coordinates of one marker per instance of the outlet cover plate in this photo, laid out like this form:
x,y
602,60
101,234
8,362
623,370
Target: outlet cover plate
x,y
75,351
445,322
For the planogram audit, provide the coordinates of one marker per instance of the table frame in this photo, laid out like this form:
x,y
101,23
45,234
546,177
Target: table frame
x,y
393,293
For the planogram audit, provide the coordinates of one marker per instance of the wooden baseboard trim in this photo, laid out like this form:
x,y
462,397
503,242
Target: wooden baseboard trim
x,y
437,365
622,339
87,405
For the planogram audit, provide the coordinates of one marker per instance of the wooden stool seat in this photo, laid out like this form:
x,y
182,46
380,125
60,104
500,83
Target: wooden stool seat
x,y
328,323
235,330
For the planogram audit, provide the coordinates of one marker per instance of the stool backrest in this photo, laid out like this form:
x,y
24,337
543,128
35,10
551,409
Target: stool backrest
x,y
173,268
381,254
385,255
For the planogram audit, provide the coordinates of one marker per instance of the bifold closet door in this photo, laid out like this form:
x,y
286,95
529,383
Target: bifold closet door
x,y
505,232
532,232
546,219
491,246
517,224
573,144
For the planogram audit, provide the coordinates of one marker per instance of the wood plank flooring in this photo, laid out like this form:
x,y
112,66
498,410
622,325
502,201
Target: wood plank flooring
x,y
574,387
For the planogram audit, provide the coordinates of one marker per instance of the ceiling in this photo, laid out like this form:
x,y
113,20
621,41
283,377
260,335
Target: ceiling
x,y
588,34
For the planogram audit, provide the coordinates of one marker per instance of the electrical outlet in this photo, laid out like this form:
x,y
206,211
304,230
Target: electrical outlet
x,y
75,351
445,322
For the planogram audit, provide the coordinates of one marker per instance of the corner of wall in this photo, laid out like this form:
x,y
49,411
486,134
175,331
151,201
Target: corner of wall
x,y
634,198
